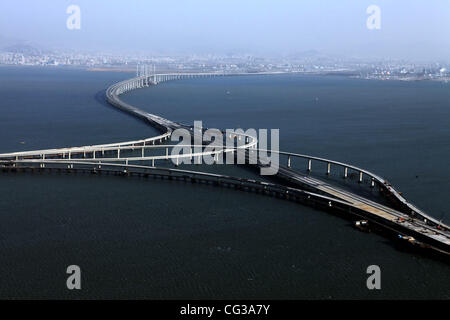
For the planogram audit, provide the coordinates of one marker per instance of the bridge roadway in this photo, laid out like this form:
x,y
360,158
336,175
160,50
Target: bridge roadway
x,y
303,180
135,83
378,215
113,97
364,204
409,220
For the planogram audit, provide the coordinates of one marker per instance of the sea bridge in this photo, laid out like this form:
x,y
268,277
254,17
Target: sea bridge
x,y
148,157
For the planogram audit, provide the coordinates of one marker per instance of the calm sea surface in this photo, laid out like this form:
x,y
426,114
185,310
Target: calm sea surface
x,y
136,238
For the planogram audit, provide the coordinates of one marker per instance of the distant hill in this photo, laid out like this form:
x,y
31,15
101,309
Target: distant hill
x,y
306,54
23,49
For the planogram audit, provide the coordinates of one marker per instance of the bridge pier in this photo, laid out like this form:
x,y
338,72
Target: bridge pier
x,y
309,165
345,172
360,177
328,168
289,162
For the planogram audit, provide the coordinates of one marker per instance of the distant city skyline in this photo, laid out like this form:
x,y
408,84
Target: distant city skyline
x,y
413,30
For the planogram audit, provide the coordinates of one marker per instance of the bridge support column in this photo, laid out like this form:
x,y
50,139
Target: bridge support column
x,y
143,154
372,182
289,162
345,172
328,168
360,177
153,162
167,153
309,165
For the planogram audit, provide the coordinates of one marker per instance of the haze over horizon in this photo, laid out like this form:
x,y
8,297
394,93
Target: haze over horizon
x,y
414,29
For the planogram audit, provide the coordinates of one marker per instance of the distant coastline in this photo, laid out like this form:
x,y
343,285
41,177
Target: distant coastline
x,y
343,73
105,69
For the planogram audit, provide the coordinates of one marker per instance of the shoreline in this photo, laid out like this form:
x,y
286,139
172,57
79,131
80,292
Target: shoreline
x,y
347,74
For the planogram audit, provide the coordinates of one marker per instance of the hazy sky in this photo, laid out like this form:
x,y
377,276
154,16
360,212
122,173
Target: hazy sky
x,y
418,29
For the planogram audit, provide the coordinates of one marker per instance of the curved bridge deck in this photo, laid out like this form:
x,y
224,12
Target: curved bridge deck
x,y
404,218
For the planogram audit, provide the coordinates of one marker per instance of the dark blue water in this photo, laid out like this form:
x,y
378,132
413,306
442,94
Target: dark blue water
x,y
46,108
136,238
